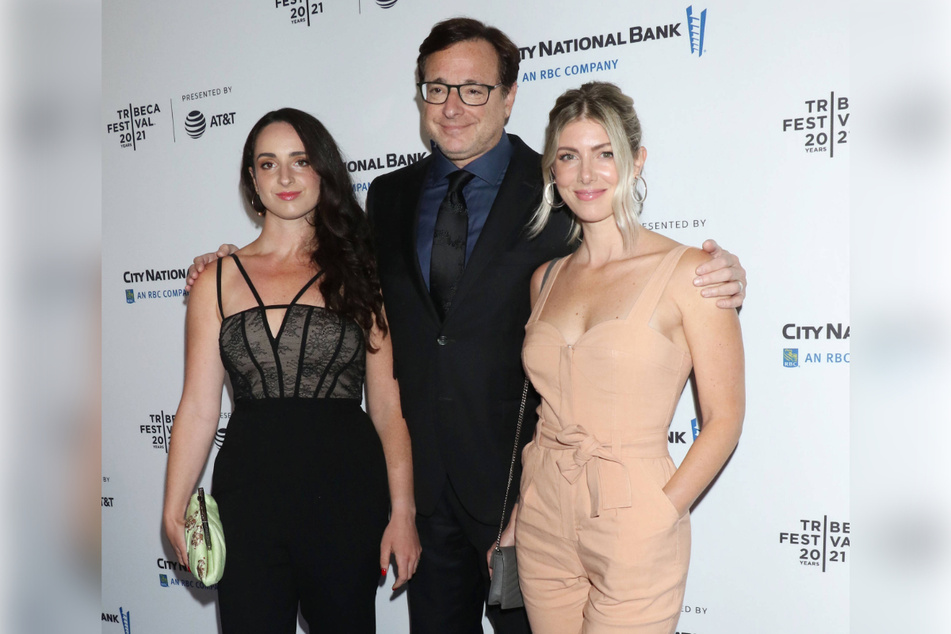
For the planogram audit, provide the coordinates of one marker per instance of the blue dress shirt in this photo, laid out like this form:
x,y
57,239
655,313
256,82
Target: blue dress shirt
x,y
489,170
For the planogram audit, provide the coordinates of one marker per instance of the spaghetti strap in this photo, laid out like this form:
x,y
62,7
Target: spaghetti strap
x,y
247,279
555,267
649,298
221,310
551,265
257,297
306,286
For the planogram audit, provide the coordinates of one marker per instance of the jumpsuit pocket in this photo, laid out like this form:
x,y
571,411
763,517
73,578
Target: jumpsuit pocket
x,y
654,478
670,505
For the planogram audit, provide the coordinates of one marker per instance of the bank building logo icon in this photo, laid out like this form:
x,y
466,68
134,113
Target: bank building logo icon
x,y
195,124
791,357
696,27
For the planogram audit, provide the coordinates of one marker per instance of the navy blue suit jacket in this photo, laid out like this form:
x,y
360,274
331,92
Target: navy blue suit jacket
x,y
461,379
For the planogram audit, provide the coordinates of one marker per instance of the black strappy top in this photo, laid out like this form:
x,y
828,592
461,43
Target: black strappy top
x,y
316,353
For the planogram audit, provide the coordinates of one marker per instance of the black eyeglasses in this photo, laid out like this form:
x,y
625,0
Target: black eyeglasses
x,y
436,92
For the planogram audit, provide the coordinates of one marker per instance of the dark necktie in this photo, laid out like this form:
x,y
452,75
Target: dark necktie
x,y
449,243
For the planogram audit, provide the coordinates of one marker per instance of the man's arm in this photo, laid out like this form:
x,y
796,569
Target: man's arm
x,y
723,275
202,261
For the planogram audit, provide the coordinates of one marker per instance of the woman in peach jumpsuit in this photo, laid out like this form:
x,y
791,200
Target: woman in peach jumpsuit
x,y
602,529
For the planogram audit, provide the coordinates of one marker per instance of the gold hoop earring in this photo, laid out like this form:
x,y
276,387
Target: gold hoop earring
x,y
549,196
634,193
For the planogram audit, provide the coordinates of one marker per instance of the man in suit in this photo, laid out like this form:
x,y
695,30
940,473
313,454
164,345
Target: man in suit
x,y
457,304
457,300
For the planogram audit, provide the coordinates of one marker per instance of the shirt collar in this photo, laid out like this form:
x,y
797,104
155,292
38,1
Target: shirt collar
x,y
490,167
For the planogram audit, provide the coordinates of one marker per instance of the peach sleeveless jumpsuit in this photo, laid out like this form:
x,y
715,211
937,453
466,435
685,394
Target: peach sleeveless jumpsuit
x,y
600,546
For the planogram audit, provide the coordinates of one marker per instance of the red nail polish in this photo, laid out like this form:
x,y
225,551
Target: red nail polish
x,y
382,572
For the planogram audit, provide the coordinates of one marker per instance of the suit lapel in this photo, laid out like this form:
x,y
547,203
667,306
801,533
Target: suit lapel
x,y
408,223
509,216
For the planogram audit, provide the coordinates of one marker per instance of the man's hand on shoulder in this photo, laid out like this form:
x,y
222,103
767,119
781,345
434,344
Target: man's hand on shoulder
x,y
722,277
202,261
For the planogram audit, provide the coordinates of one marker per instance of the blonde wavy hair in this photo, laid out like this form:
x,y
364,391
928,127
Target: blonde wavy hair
x,y
603,103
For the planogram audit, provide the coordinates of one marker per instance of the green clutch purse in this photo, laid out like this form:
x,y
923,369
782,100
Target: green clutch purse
x,y
204,538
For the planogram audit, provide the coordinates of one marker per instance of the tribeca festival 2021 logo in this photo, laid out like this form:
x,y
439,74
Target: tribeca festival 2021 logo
x,y
696,30
133,124
302,11
829,353
823,126
159,429
819,543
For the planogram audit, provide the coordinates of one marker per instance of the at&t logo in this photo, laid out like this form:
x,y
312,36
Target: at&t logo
x,y
386,4
195,123
220,436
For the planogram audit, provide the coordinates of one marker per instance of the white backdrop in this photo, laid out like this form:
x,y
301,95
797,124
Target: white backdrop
x,y
747,126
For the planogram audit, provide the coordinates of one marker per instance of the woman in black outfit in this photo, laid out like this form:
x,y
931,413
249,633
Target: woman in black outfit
x,y
314,494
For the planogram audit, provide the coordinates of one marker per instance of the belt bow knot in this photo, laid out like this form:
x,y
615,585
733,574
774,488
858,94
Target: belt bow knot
x,y
609,484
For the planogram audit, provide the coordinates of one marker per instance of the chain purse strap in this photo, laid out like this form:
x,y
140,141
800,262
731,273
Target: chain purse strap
x,y
518,429
508,485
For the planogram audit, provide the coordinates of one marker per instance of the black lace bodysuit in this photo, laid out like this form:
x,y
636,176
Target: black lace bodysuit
x,y
300,479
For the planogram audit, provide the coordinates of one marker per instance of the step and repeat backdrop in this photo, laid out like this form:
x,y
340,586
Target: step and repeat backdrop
x,y
747,120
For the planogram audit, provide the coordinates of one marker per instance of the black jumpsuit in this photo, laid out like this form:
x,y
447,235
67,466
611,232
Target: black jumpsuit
x,y
301,478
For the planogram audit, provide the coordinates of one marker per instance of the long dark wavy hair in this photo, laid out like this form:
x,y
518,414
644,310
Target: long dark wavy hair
x,y
343,248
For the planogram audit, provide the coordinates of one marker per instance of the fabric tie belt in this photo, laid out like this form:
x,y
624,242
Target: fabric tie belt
x,y
609,484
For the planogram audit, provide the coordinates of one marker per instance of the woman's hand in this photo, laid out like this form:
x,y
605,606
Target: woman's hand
x,y
402,542
508,538
175,531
